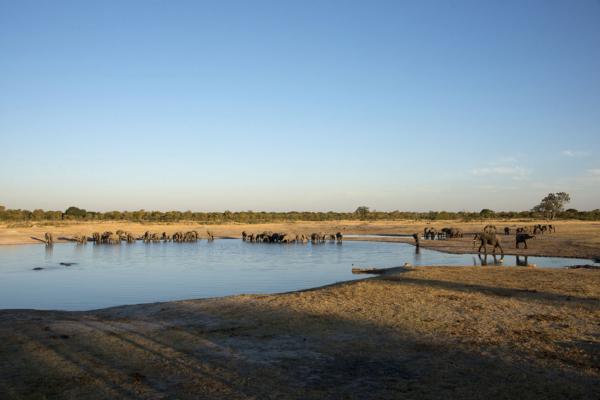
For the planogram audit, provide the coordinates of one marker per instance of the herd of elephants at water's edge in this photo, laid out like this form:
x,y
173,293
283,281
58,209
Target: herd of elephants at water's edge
x,y
485,238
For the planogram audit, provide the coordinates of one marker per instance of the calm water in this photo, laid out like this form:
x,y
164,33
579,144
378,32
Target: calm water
x,y
110,275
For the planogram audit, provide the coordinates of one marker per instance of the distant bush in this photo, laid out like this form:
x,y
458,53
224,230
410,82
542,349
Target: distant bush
x,y
256,217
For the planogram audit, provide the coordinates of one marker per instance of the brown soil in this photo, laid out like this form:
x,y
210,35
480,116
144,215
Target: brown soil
x,y
421,333
573,238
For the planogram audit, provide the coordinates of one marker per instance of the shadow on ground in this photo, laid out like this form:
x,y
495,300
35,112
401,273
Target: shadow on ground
x,y
252,347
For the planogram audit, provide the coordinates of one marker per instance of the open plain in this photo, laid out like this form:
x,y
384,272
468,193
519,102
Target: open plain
x,y
427,332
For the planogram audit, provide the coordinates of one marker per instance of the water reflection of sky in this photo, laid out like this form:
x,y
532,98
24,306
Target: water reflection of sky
x,y
109,275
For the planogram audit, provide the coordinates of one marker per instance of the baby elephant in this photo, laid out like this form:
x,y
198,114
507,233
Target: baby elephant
x,y
523,238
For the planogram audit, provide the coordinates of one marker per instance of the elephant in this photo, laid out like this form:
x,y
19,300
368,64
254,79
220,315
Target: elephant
x,y
490,229
539,229
49,238
426,233
339,237
506,231
96,237
417,238
276,237
105,236
189,236
522,238
452,232
318,237
430,233
113,238
244,236
289,238
456,233
484,239
166,237
178,236
446,231
551,229
211,236
266,237
129,238
433,233
81,239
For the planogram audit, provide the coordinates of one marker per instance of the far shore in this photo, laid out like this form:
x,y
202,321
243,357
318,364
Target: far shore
x,y
573,239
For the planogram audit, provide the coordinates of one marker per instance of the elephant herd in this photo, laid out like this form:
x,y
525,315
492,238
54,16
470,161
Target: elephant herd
x,y
444,233
534,229
286,237
522,235
538,229
119,236
488,236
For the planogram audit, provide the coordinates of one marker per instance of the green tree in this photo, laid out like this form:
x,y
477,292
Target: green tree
x,y
552,204
486,213
38,214
362,212
75,212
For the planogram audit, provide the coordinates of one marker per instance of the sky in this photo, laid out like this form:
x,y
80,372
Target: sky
x,y
299,105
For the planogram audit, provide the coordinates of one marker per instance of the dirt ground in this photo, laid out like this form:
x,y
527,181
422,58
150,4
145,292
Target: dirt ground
x,y
417,333
572,239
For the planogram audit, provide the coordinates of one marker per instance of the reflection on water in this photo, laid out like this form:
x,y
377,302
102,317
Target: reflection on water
x,y
108,275
48,251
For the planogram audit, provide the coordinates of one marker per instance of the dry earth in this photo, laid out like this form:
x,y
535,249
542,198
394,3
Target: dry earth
x,y
573,238
422,333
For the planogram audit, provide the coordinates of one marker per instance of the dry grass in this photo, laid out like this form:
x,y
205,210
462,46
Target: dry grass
x,y
420,333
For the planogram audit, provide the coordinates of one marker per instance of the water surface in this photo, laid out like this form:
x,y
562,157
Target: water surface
x,y
110,275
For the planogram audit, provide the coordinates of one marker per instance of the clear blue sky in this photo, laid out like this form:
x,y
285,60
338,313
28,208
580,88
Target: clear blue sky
x,y
305,105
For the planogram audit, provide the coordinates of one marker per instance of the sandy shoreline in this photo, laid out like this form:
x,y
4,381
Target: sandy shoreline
x,y
574,239
467,332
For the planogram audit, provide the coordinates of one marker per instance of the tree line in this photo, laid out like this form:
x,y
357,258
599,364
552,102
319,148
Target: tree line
x,y
255,217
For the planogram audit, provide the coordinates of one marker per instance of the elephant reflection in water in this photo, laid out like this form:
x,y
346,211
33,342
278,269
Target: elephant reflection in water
x,y
483,260
49,251
522,262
